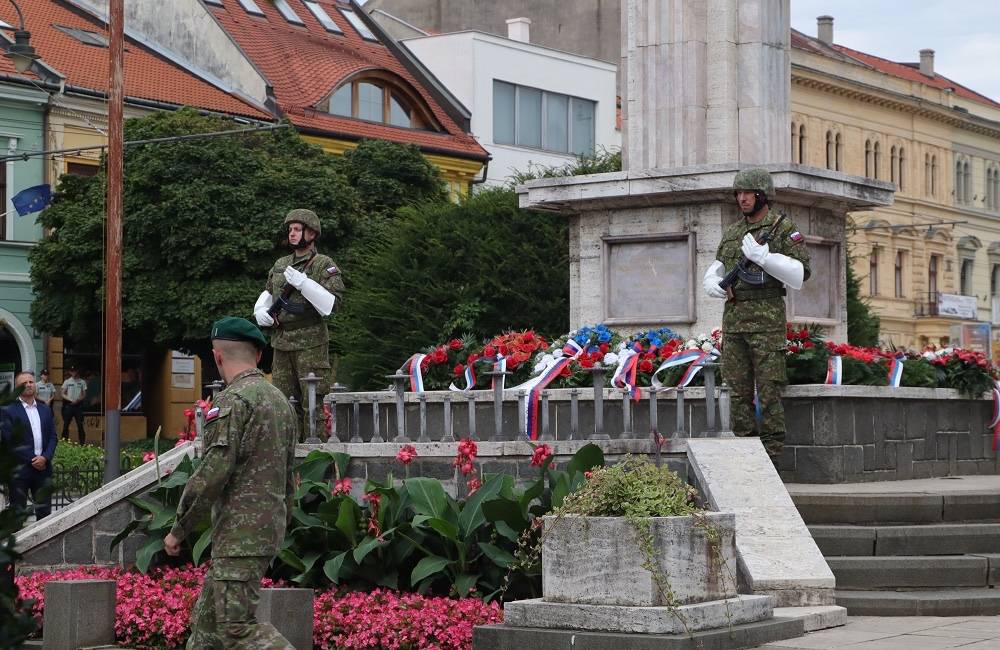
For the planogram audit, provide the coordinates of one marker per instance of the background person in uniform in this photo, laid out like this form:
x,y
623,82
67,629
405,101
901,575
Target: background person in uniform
x,y
74,391
34,449
299,334
753,320
45,392
245,481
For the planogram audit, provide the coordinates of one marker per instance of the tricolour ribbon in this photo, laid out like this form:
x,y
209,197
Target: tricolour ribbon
x,y
470,380
412,368
625,373
500,365
995,422
895,371
834,370
534,386
694,359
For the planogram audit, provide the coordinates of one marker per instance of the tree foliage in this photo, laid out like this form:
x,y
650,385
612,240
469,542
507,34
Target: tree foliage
x,y
479,267
862,323
202,225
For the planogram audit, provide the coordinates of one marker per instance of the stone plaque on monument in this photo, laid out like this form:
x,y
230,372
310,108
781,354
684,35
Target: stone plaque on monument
x,y
648,279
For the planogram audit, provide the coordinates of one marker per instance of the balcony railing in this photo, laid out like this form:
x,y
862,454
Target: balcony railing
x,y
926,304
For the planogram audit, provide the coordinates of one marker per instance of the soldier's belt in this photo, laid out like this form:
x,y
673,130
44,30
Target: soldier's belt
x,y
745,295
299,324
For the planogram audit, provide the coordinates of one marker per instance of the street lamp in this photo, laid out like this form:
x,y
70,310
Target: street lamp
x,y
21,52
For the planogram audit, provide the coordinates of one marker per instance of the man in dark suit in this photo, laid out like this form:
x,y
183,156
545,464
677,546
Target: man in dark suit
x,y
34,448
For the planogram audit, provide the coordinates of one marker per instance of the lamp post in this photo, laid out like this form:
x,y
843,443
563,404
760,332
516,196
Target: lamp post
x,y
21,52
113,244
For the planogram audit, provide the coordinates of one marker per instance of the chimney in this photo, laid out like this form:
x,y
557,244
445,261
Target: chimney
x,y
518,28
927,62
824,29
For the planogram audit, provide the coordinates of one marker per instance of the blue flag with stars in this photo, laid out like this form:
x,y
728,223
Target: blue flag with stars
x,y
32,199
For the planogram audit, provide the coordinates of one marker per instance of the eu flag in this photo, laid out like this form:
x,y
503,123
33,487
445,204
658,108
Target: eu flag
x,y
32,199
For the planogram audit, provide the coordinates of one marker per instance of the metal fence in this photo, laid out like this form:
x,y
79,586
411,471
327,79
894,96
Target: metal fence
x,y
72,483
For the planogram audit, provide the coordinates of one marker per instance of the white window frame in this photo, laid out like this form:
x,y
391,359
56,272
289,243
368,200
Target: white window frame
x,y
319,13
358,24
287,12
544,108
251,7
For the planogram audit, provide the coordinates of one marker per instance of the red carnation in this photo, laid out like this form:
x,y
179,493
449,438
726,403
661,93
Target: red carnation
x,y
646,366
406,454
458,370
540,455
489,351
455,344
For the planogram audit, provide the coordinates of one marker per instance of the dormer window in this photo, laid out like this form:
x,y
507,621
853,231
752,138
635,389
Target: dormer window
x,y
287,12
251,7
358,24
379,99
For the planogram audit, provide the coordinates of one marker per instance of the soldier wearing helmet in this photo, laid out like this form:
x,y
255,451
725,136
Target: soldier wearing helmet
x,y
308,286
753,321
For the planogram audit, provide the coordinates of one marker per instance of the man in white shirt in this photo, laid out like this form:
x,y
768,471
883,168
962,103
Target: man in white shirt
x,y
29,424
73,392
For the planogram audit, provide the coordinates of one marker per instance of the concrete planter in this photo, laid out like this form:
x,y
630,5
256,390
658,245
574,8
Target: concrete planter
x,y
598,561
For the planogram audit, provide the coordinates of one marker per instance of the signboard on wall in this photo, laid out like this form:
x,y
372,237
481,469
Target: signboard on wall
x,y
977,337
950,304
181,370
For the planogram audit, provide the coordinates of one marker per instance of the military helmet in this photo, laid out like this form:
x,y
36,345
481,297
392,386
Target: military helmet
x,y
307,218
754,180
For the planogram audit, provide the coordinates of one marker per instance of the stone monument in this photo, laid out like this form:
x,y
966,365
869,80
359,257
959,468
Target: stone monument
x,y
705,91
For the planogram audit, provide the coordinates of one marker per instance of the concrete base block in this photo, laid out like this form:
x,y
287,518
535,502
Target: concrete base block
x,y
79,613
290,611
814,618
642,620
749,635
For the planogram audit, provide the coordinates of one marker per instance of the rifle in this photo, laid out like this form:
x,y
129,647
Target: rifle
x,y
730,279
282,303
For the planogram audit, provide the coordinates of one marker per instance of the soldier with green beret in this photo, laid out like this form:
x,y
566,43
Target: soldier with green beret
x,y
308,286
245,481
754,317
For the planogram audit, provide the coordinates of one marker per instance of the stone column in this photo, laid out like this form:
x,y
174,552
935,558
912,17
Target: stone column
x,y
704,82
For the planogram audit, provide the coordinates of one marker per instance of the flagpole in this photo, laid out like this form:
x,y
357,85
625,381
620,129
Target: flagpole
x,y
113,245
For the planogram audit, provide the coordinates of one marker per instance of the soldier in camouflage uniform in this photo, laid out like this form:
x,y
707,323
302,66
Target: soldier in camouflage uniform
x,y
245,480
753,321
299,336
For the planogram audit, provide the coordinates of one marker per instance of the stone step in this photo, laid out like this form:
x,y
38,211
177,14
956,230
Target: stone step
x,y
821,507
936,602
880,573
927,539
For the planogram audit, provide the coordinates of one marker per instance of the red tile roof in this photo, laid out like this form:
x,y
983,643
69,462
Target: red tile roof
x,y
304,63
148,76
907,71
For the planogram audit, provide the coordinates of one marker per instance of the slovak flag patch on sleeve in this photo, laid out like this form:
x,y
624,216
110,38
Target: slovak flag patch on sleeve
x,y
333,270
796,236
212,414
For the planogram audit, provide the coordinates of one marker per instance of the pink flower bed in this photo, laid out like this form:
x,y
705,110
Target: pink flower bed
x,y
154,611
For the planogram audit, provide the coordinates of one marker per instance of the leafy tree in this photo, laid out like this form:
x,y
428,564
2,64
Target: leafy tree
x,y
387,176
202,225
443,270
862,323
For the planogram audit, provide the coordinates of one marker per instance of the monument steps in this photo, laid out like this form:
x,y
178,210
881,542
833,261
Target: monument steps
x,y
915,548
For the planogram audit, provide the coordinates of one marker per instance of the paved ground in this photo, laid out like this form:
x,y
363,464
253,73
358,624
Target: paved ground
x,y
942,485
902,633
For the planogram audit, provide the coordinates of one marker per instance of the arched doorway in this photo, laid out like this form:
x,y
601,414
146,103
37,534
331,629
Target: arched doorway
x,y
16,344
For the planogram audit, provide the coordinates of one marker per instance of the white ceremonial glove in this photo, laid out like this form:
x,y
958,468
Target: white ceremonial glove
x,y
756,253
295,277
318,297
787,269
260,310
712,278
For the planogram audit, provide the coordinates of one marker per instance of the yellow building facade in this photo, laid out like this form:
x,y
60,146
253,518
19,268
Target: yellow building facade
x,y
939,143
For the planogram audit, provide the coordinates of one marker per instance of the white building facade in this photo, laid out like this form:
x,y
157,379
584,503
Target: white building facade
x,y
531,105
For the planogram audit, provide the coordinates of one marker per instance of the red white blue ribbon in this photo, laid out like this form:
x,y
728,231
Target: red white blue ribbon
x,y
625,374
470,380
834,370
413,369
995,421
694,359
500,365
895,371
571,350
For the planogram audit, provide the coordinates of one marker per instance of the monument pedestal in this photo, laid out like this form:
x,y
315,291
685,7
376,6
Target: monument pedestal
x,y
640,241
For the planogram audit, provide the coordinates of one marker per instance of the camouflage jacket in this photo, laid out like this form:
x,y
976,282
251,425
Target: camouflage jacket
x,y
245,475
768,313
306,330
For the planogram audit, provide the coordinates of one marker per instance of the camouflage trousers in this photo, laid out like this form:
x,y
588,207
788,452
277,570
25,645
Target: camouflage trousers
x,y
225,615
286,372
756,360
